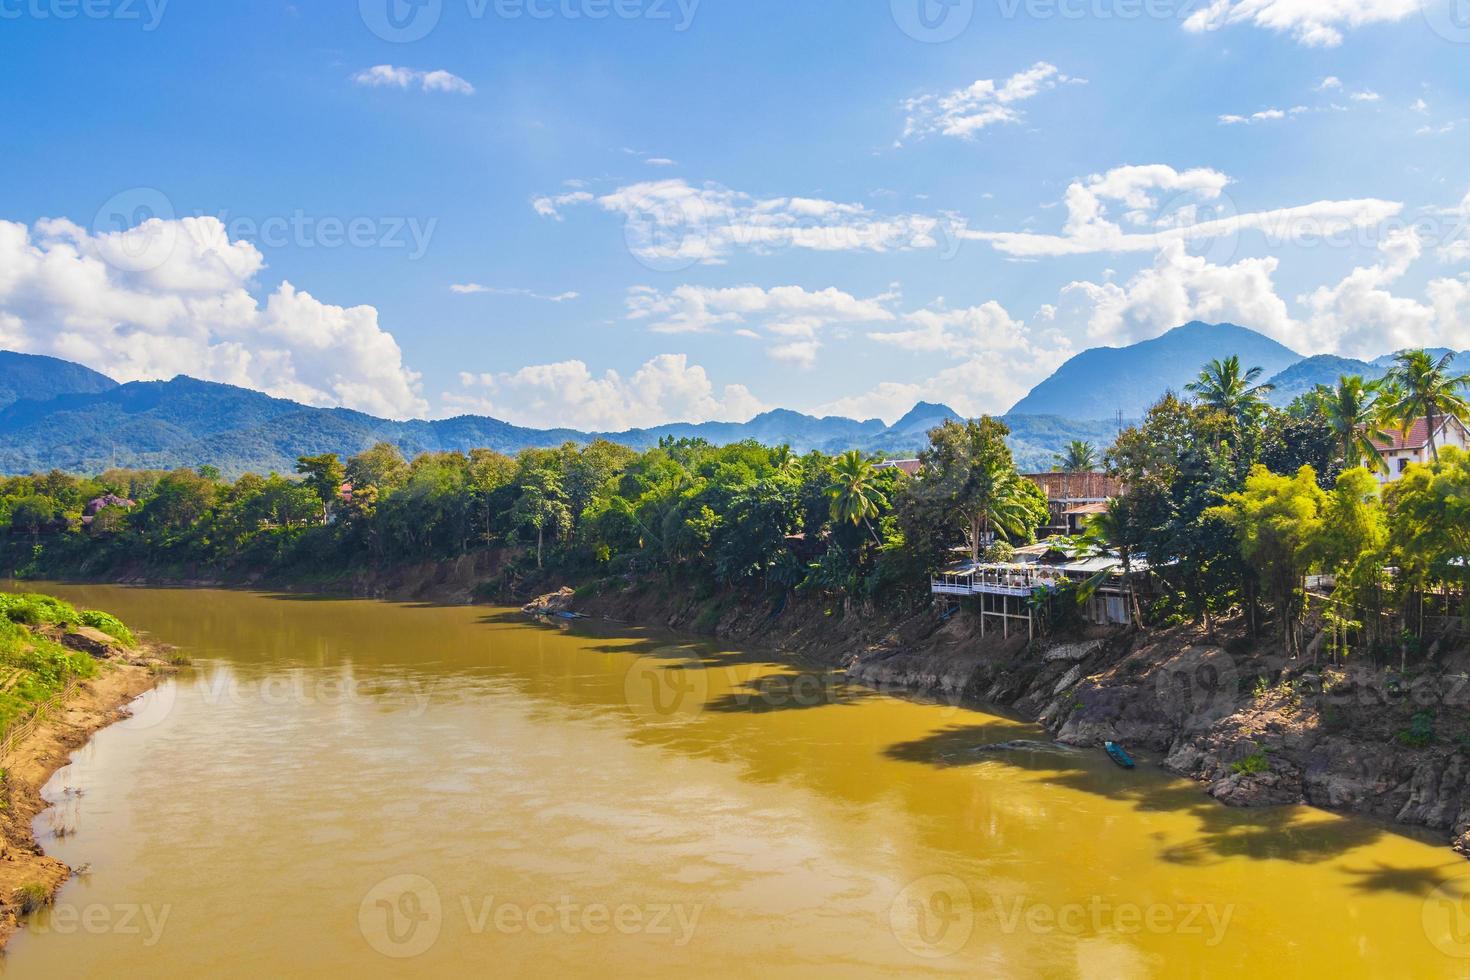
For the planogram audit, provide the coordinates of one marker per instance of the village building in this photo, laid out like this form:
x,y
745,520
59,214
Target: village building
x,y
1411,445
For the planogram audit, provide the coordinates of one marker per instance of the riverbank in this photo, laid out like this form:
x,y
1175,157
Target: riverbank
x,y
29,878
1253,727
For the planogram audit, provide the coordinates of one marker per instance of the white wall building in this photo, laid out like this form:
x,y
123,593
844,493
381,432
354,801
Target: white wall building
x,y
1403,448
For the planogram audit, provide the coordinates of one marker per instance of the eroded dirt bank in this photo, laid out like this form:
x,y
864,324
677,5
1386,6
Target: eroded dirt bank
x,y
28,876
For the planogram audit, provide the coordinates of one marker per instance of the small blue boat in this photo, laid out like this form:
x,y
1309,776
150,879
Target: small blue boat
x,y
1119,755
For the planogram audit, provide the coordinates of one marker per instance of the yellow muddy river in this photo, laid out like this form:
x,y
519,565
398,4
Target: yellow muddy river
x,y
359,789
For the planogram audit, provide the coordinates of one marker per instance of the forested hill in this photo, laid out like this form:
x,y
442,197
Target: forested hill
x,y
185,422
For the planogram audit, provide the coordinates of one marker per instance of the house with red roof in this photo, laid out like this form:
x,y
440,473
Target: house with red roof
x,y
1411,445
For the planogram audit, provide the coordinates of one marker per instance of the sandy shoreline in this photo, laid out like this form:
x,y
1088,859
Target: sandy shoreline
x,y
93,705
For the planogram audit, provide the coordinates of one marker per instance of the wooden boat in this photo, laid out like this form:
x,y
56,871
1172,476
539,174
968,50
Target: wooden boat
x,y
1118,754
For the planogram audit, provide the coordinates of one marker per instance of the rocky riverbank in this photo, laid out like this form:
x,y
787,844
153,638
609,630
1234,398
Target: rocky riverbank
x,y
1255,728
29,878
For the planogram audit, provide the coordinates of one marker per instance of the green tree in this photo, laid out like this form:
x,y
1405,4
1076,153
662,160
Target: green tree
x,y
1426,389
33,514
325,475
969,475
541,507
381,466
1277,520
1080,457
1351,409
1223,386
854,495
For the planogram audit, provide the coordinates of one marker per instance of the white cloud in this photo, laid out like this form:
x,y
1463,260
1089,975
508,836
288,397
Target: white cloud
x,y
1329,84
1180,287
999,359
1315,23
1365,96
1265,115
475,289
672,222
1360,316
550,207
1159,205
794,315
661,162
173,297
965,112
665,389
392,76
1420,106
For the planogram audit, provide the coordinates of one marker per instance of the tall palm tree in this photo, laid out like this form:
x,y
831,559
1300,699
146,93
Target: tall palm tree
x,y
1111,532
1427,390
995,498
1080,457
1354,414
1223,385
855,496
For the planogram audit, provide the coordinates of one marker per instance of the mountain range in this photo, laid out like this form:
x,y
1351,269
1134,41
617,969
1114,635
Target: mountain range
x,y
55,414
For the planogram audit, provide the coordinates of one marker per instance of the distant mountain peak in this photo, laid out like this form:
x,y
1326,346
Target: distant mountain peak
x,y
1102,382
924,412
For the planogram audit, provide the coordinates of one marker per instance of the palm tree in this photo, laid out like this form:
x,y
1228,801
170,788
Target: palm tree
x,y
1224,386
995,498
1108,533
1353,413
855,497
1080,457
1427,390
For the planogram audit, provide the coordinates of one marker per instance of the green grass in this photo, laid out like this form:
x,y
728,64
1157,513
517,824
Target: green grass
x,y
32,898
1252,764
36,667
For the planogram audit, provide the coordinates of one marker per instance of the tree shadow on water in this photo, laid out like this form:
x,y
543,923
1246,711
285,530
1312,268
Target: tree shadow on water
x,y
1294,833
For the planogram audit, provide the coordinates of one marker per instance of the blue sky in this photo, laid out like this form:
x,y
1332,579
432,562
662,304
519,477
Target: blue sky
x,y
702,210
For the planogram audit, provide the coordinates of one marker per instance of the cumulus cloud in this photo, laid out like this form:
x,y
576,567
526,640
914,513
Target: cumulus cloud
x,y
1177,288
965,112
666,388
794,315
1358,316
670,222
1144,208
1314,23
998,359
392,76
1361,316
173,297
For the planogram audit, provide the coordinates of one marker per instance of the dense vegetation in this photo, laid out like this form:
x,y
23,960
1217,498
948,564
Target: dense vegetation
x,y
33,665
1232,504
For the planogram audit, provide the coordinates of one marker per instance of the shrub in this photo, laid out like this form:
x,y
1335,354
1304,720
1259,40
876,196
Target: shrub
x,y
37,610
109,624
1420,731
32,898
1252,764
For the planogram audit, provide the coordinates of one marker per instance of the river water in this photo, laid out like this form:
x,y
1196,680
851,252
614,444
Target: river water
x,y
360,789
